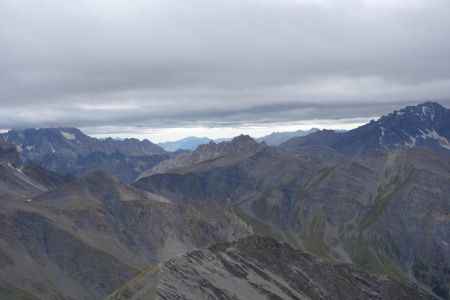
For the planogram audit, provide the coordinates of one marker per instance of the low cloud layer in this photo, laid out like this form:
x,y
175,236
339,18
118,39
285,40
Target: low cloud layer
x,y
166,64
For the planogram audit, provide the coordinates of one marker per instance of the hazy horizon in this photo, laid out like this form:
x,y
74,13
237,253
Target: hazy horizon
x,y
161,135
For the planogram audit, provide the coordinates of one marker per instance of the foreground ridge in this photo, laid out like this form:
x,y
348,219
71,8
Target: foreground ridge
x,y
258,267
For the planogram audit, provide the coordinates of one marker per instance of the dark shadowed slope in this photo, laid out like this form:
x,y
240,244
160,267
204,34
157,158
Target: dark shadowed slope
x,y
87,238
20,180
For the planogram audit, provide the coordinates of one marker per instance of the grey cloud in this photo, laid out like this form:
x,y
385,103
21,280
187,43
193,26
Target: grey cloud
x,y
174,63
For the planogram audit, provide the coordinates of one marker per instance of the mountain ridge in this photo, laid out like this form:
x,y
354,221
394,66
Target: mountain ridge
x,y
257,267
423,125
68,150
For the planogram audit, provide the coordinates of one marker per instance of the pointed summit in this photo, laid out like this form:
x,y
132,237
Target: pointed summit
x,y
240,146
424,125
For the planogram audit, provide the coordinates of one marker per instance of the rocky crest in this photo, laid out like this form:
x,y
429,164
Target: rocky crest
x,y
425,125
238,147
68,150
258,268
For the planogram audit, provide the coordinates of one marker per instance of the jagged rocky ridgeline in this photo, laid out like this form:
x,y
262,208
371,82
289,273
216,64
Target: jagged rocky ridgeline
x,y
259,268
68,150
425,125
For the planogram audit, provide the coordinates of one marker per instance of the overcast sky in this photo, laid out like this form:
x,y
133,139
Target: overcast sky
x,y
166,69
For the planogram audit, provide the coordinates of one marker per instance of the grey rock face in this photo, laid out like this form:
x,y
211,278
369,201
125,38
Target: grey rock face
x,y
424,125
258,268
238,147
68,150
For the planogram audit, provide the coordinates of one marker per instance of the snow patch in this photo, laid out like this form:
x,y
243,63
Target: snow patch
x,y
380,139
412,142
432,134
68,136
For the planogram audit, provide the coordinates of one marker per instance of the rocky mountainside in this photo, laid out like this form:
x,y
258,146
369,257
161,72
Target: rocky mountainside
x,y
259,268
387,213
424,125
20,180
35,143
237,148
68,150
87,238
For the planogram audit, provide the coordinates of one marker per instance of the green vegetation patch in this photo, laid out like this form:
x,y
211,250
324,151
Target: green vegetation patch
x,y
10,292
381,203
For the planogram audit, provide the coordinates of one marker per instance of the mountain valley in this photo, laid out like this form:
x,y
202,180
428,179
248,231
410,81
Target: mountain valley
x,y
361,214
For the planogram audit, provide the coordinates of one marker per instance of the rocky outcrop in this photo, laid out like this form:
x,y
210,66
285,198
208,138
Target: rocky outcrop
x,y
236,149
259,268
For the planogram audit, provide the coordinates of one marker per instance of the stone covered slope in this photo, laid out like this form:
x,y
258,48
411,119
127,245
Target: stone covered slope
x,y
87,238
259,268
20,180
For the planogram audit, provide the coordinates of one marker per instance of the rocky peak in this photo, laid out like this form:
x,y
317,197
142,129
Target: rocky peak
x,y
239,146
67,144
423,125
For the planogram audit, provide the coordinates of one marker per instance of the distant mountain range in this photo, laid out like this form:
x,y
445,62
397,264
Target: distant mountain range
x,y
192,142
68,150
424,125
189,143
277,138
